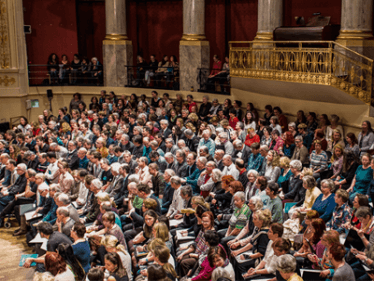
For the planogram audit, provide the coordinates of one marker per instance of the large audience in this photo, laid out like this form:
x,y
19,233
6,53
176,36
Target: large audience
x,y
132,189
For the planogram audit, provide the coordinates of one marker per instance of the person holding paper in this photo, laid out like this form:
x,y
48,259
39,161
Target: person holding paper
x,y
54,238
19,186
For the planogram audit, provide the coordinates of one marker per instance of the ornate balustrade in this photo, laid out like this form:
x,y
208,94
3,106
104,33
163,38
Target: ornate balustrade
x,y
317,62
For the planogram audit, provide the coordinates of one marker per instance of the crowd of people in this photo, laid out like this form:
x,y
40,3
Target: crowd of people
x,y
137,188
78,71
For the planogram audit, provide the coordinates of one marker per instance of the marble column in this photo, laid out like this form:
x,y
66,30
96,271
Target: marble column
x,y
270,16
357,20
356,30
117,49
194,50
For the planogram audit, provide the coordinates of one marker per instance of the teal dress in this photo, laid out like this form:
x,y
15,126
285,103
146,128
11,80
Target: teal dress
x,y
283,180
363,179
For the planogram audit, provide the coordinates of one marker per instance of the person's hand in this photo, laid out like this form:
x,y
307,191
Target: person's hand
x,y
235,253
179,258
324,273
28,263
312,258
281,197
347,225
183,180
142,262
219,217
139,249
349,189
178,216
82,220
360,257
360,233
231,242
235,245
196,256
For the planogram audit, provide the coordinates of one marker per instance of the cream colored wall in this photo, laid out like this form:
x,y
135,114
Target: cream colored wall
x,y
351,115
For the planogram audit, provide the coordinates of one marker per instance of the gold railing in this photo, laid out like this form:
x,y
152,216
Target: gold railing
x,y
312,62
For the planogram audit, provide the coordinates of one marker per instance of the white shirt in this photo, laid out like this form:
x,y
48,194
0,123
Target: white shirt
x,y
177,204
52,172
232,171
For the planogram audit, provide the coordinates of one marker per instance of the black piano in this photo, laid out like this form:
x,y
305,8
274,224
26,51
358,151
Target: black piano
x,y
317,29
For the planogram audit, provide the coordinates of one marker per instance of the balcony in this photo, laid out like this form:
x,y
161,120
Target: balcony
x,y
322,63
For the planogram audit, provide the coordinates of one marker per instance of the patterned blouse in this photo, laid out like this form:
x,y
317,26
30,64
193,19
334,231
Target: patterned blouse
x,y
340,216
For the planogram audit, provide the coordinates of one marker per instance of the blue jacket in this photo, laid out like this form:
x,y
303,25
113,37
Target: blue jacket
x,y
192,180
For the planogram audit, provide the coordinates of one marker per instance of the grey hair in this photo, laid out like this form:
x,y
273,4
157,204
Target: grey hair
x,y
309,181
97,184
206,132
240,195
63,211
223,135
139,129
292,124
134,178
186,190
257,201
363,212
115,167
240,124
170,140
330,184
238,143
300,138
82,149
31,172
176,180
188,132
169,155
164,121
53,144
253,172
203,160
6,155
126,152
212,163
144,159
207,97
217,174
296,164
126,136
22,166
64,198
264,147
170,172
286,264
228,157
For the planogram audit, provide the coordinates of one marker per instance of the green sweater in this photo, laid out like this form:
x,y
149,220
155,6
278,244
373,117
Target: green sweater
x,y
275,207
138,202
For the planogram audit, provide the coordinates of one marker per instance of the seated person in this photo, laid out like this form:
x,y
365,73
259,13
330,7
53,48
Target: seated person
x,y
256,243
238,219
81,247
342,213
268,266
111,245
218,259
55,238
187,258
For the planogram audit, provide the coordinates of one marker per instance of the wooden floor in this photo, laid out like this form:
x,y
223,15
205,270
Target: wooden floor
x,y
11,249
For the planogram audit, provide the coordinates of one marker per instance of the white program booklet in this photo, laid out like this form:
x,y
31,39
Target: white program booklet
x,y
29,215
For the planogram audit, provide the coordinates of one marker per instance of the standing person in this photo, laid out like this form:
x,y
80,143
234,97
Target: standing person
x,y
217,66
365,137
151,69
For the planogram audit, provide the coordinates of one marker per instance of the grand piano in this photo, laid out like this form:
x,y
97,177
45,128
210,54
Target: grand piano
x,y
317,29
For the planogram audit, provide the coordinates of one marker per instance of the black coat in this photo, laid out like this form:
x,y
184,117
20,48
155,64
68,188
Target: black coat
x,y
19,186
192,143
73,160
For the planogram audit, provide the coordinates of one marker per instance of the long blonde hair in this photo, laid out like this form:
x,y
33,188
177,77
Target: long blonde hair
x,y
112,242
